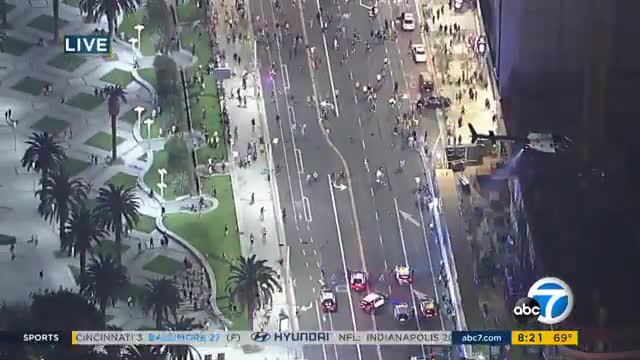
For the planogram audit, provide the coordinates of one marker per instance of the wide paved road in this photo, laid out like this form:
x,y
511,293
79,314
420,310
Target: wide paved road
x,y
321,232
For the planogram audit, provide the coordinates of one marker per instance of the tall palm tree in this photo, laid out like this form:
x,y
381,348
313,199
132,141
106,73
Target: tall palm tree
x,y
161,297
44,154
105,280
115,94
4,10
59,196
252,284
56,20
3,37
110,8
84,229
142,352
180,352
117,207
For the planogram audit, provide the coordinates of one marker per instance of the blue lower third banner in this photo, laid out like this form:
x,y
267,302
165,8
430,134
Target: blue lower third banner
x,y
487,337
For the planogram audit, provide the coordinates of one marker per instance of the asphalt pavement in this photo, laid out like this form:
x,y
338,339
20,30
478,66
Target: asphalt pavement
x,y
390,228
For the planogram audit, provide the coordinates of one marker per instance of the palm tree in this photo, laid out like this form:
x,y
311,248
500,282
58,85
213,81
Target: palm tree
x,y
180,352
115,94
44,154
84,230
3,37
4,11
142,352
110,8
162,297
252,283
56,19
117,207
105,280
59,195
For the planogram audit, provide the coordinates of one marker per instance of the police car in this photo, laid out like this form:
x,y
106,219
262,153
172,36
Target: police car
x,y
404,275
372,302
358,280
402,312
428,308
328,301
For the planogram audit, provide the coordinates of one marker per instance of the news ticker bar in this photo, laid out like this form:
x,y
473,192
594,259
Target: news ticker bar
x,y
226,338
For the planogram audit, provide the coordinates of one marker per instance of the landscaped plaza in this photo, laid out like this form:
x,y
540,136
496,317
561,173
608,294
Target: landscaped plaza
x,y
140,231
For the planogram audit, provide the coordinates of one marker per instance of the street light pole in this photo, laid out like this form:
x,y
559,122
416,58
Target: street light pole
x,y
139,29
162,172
139,110
133,42
148,122
14,125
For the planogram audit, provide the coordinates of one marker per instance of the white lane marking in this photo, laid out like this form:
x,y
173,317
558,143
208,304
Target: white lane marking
x,y
306,264
406,261
315,252
300,164
324,350
344,262
304,252
306,206
284,148
335,347
328,59
285,77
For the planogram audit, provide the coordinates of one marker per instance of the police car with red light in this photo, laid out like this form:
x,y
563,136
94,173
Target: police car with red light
x,y
358,280
404,275
372,302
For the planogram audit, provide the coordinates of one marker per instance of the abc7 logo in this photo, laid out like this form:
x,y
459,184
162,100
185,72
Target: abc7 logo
x,y
526,310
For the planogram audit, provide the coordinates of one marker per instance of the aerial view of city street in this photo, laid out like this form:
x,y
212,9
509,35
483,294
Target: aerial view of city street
x,y
276,166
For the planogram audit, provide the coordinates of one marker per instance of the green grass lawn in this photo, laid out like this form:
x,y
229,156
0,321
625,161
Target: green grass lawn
x,y
67,62
146,224
149,74
123,179
136,291
85,101
189,12
108,248
30,85
50,124
102,140
147,46
7,239
15,46
118,77
208,97
206,233
131,116
74,166
164,265
44,23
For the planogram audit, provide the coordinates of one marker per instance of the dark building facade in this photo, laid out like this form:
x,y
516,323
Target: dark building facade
x,y
571,67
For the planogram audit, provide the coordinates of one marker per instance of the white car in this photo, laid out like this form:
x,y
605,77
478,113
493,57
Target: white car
x,y
419,53
404,275
408,22
372,302
328,301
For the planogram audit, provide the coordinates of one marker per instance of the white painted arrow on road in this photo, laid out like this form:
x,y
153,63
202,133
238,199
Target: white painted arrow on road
x,y
408,217
341,187
420,295
307,308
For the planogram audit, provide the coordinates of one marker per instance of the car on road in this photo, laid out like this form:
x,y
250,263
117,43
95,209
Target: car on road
x,y
425,84
404,274
372,302
419,53
437,102
328,301
402,312
428,308
358,280
408,21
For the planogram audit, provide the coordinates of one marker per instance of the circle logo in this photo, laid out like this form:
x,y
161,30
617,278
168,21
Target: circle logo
x,y
555,299
260,336
526,310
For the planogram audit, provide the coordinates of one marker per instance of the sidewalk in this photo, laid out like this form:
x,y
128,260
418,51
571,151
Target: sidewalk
x,y
466,242
254,180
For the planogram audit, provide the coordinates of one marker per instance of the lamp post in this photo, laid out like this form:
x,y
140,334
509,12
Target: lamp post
x,y
14,125
139,110
139,29
149,122
162,172
133,42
